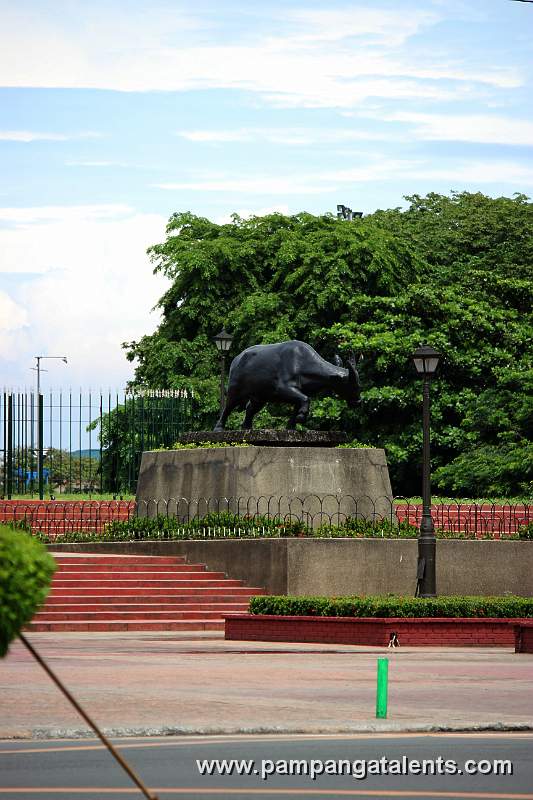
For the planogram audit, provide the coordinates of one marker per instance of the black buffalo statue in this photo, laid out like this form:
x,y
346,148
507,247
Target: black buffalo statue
x,y
288,372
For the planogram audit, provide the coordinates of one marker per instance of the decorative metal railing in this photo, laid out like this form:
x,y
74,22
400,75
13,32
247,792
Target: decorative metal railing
x,y
288,515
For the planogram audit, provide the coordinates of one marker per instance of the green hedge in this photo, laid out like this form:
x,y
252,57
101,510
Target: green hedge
x,y
393,606
26,570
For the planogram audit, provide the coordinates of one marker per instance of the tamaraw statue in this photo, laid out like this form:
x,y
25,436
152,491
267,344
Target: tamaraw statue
x,y
287,372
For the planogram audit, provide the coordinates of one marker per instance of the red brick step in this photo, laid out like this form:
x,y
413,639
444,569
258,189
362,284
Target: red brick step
x,y
115,592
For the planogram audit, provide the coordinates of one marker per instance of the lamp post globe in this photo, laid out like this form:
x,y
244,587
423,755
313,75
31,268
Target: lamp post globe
x,y
223,342
426,360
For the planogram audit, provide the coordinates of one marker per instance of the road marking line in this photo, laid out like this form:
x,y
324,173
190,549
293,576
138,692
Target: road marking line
x,y
72,744
315,792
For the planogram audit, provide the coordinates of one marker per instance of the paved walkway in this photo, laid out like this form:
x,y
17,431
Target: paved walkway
x,y
162,683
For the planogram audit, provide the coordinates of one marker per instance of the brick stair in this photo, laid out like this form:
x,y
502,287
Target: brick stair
x,y
138,593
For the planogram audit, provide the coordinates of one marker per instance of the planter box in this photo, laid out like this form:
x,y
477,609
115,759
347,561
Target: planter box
x,y
413,632
524,637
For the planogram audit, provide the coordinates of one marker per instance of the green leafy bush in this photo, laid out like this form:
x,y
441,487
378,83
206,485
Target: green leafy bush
x,y
224,525
358,528
393,606
26,570
526,531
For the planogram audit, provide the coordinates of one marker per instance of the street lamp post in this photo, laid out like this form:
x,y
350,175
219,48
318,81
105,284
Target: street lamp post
x,y
426,360
40,452
223,342
39,369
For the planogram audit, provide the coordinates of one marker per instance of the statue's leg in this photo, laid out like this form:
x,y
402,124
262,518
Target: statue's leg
x,y
300,401
252,407
231,403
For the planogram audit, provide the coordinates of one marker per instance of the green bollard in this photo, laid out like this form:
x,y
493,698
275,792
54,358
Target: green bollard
x,y
382,688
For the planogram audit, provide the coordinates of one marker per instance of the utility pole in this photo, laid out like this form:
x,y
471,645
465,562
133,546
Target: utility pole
x,y
40,426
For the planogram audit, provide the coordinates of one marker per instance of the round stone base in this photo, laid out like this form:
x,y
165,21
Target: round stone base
x,y
317,485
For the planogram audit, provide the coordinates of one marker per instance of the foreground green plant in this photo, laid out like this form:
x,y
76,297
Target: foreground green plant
x,y
26,570
392,606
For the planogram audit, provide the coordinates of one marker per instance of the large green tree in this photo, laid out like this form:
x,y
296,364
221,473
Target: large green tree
x,y
451,271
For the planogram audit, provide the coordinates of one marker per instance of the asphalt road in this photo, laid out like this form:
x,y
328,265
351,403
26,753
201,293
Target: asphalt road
x,y
83,769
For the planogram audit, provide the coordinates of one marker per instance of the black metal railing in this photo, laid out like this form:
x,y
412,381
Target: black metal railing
x,y
286,515
84,443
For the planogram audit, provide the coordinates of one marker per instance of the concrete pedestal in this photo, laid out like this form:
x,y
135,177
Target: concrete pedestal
x,y
316,484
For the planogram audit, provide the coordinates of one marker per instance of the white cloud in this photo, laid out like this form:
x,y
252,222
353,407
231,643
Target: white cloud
x,y
31,215
384,26
477,173
285,136
95,164
480,128
259,184
245,213
95,289
31,136
157,50
241,135
37,136
372,168
12,316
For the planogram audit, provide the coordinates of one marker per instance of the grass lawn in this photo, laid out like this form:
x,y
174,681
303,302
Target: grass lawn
x,y
399,501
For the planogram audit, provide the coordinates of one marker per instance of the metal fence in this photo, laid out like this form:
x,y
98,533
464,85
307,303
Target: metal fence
x,y
65,442
249,516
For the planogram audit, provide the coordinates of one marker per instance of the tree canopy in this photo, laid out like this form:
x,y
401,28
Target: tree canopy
x,y
452,271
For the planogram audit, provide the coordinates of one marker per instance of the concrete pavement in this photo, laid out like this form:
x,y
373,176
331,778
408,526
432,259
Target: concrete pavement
x,y
164,683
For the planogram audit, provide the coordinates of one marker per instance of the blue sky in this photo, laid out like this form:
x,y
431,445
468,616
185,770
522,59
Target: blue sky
x,y
114,115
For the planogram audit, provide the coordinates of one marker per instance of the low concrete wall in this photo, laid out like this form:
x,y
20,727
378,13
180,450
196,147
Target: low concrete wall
x,y
348,566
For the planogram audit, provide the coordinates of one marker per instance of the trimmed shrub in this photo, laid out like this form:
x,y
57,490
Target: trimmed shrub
x,y
26,570
392,606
